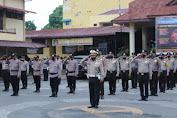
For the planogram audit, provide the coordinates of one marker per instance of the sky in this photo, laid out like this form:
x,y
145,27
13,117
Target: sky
x,y
43,8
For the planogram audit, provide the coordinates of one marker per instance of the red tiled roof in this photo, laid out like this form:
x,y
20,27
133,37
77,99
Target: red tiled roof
x,y
142,9
4,43
114,11
75,32
16,9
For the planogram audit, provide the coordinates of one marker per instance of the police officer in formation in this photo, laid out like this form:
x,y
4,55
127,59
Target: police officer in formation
x,y
94,67
72,72
55,74
134,70
24,72
45,69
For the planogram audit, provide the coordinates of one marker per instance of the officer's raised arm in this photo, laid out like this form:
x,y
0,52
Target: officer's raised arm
x,y
83,61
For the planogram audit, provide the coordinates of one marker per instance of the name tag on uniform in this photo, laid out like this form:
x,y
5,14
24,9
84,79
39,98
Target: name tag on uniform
x,y
155,60
142,73
91,75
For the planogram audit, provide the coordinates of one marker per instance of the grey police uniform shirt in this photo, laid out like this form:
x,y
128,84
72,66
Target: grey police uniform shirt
x,y
54,68
133,65
94,68
61,63
171,64
125,65
111,65
154,64
72,67
163,66
45,66
5,65
25,66
144,66
37,68
175,64
15,67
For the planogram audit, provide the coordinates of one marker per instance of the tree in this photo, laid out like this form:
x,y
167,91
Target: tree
x,y
29,25
55,19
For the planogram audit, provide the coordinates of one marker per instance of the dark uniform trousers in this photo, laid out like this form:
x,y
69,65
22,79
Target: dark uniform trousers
x,y
175,79
24,79
37,80
124,76
46,73
170,80
134,77
102,88
143,80
54,83
162,81
112,81
6,78
94,89
15,84
154,83
72,83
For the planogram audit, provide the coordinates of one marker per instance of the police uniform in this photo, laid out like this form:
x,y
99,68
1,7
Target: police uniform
x,y
24,72
55,75
72,70
15,72
5,74
125,70
45,70
94,67
154,81
111,69
37,72
170,78
145,72
175,68
163,71
134,70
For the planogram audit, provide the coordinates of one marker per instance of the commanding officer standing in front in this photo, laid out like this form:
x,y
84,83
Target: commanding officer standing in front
x,y
145,74
94,67
5,73
111,71
15,73
25,72
55,74
37,73
72,70
125,71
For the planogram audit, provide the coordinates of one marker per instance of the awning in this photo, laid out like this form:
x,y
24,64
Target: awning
x,y
21,44
66,20
16,9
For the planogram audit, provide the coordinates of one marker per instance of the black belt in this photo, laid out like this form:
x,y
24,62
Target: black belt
x,y
143,73
71,72
14,70
124,71
53,73
36,70
111,71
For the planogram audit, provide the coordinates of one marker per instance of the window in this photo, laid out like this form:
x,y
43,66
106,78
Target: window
x,y
67,23
14,15
95,25
69,49
1,20
106,24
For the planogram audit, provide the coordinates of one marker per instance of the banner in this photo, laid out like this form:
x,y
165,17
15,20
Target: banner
x,y
32,50
72,42
166,34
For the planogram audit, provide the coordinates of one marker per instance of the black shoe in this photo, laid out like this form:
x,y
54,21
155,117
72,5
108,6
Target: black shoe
x,y
13,94
73,92
70,92
171,88
155,95
91,106
22,88
122,91
113,94
96,106
110,94
167,89
102,96
126,90
52,95
5,90
36,91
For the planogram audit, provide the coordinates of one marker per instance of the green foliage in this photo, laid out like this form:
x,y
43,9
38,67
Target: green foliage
x,y
55,19
29,25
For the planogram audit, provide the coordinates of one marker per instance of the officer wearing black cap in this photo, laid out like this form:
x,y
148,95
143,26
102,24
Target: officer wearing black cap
x,y
15,73
5,73
72,72
37,73
134,70
55,74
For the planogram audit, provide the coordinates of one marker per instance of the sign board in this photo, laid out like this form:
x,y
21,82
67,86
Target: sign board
x,y
166,34
32,50
72,42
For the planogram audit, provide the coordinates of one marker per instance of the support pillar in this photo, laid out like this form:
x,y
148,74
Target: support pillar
x,y
144,38
132,38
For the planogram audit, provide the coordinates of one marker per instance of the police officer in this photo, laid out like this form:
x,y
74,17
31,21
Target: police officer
x,y
134,70
72,70
15,73
163,72
45,69
94,67
144,75
5,73
125,69
24,72
170,78
175,68
101,59
37,73
111,71
154,80
55,74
